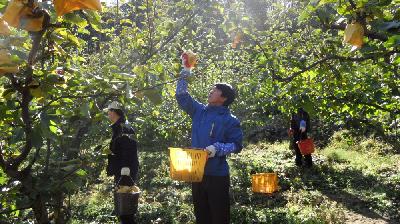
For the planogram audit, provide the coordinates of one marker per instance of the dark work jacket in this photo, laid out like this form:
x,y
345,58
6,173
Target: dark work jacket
x,y
295,125
124,150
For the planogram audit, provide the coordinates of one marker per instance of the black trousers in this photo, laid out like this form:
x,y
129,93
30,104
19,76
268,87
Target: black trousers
x,y
299,156
127,219
211,200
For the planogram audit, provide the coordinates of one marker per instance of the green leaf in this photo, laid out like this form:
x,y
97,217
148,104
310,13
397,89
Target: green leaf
x,y
384,2
18,134
304,15
3,4
3,177
69,168
396,59
66,35
94,19
153,95
69,186
81,172
18,56
37,140
128,91
392,41
125,21
75,19
44,121
53,129
85,110
323,2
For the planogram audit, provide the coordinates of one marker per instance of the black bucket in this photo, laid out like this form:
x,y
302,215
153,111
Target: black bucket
x,y
126,203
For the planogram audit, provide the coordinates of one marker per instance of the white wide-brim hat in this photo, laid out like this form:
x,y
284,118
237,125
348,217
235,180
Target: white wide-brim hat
x,y
114,105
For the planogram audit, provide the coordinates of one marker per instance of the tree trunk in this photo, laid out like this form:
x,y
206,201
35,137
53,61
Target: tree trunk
x,y
40,210
59,214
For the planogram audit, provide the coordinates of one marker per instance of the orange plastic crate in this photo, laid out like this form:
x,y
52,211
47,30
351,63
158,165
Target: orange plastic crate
x,y
187,164
264,182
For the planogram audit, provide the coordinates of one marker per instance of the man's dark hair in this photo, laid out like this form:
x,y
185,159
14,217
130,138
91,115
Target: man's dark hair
x,y
119,112
227,92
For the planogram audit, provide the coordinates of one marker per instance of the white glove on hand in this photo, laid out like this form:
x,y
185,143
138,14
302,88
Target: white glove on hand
x,y
125,171
211,151
302,126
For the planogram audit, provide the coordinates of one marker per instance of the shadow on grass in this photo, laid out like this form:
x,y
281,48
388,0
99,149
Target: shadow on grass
x,y
336,185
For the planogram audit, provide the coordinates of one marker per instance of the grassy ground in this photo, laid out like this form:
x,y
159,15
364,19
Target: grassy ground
x,y
353,181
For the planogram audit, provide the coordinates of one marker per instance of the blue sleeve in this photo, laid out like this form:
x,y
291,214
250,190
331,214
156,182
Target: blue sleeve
x,y
223,149
185,101
233,142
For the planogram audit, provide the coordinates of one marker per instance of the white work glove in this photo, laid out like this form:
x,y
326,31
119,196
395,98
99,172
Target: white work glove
x,y
211,151
302,126
125,171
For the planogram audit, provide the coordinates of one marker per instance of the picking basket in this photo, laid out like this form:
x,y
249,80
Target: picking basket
x,y
264,183
306,146
187,164
126,203
126,199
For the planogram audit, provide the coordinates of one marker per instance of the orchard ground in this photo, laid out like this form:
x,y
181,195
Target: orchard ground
x,y
352,181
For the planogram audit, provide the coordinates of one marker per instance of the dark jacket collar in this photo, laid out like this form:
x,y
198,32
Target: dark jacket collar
x,y
121,127
218,109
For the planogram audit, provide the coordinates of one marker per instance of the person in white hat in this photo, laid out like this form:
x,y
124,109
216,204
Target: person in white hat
x,y
123,162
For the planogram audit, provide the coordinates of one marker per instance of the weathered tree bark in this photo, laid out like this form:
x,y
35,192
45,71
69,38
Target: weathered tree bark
x,y
40,210
59,215
12,166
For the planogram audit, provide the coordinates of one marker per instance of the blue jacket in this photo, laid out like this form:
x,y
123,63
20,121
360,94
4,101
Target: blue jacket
x,y
211,125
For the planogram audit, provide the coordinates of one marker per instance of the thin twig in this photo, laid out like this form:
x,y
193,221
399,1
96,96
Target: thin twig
x,y
16,209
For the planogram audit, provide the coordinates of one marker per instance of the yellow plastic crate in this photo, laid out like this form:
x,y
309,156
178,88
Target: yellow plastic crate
x,y
264,182
187,164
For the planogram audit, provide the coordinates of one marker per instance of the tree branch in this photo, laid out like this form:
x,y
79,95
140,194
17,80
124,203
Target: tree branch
x,y
13,210
332,57
170,37
375,55
46,167
36,41
295,74
99,94
358,101
26,99
167,40
3,163
28,168
353,5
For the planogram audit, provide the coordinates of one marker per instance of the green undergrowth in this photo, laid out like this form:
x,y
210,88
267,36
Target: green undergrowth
x,y
357,175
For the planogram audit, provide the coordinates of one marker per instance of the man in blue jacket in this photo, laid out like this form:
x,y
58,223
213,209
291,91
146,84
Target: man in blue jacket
x,y
217,131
